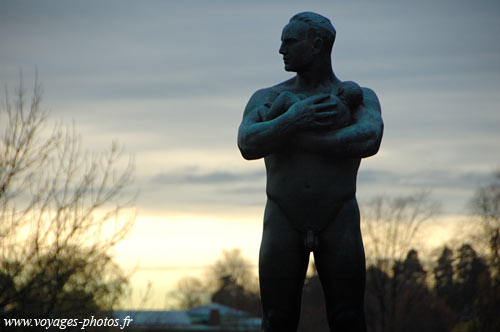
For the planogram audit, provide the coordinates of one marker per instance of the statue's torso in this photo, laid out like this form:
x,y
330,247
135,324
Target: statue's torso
x,y
309,187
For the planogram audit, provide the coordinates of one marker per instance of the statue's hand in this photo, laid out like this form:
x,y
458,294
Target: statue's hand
x,y
314,113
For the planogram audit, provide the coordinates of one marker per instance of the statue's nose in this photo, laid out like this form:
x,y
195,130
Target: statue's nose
x,y
282,50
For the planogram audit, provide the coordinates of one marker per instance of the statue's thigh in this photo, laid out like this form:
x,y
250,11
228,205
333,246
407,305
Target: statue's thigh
x,y
282,251
283,264
340,259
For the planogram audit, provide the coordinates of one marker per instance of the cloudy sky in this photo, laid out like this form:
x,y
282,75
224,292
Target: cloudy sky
x,y
170,79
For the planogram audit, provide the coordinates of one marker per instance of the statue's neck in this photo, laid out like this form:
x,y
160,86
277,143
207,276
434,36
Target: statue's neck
x,y
316,77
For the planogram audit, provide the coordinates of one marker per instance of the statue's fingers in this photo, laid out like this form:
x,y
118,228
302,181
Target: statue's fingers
x,y
326,117
324,107
323,123
318,98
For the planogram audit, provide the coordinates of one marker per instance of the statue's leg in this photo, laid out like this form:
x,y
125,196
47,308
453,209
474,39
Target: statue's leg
x,y
340,261
283,264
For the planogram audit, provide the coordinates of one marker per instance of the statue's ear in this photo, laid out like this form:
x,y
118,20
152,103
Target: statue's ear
x,y
317,45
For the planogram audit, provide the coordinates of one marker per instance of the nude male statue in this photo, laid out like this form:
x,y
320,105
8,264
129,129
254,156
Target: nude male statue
x,y
311,167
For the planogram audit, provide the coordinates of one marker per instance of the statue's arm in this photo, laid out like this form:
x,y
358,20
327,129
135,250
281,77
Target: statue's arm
x,y
359,140
257,138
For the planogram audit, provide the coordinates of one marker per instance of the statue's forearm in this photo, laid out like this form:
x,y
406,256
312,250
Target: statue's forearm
x,y
260,138
357,141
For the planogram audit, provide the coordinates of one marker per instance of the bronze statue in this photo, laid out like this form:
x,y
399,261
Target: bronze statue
x,y
312,131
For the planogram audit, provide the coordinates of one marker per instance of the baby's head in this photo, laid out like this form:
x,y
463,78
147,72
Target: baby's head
x,y
350,93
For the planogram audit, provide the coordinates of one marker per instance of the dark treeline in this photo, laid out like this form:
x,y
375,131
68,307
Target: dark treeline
x,y
459,293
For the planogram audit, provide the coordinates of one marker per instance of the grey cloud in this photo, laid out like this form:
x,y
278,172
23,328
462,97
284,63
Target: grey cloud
x,y
452,189
191,176
448,179
196,191
245,182
427,179
243,190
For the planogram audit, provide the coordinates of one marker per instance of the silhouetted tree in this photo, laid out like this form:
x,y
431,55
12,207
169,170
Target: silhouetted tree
x,y
417,309
485,207
229,281
472,275
443,277
391,226
189,293
67,285
377,298
232,264
236,296
390,229
402,302
410,274
236,284
60,214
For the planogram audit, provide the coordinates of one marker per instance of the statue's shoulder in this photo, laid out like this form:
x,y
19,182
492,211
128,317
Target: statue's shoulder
x,y
368,91
369,96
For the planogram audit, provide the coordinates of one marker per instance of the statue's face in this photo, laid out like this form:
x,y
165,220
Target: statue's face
x,y
296,47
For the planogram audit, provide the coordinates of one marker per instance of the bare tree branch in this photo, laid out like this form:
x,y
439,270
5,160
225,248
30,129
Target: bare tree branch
x,y
61,209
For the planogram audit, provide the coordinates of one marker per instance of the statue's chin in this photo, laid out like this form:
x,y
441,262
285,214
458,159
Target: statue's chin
x,y
289,68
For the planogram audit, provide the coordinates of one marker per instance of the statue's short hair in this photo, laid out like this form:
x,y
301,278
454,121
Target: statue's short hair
x,y
319,26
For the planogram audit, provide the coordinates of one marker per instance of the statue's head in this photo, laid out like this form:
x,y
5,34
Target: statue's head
x,y
307,36
318,27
